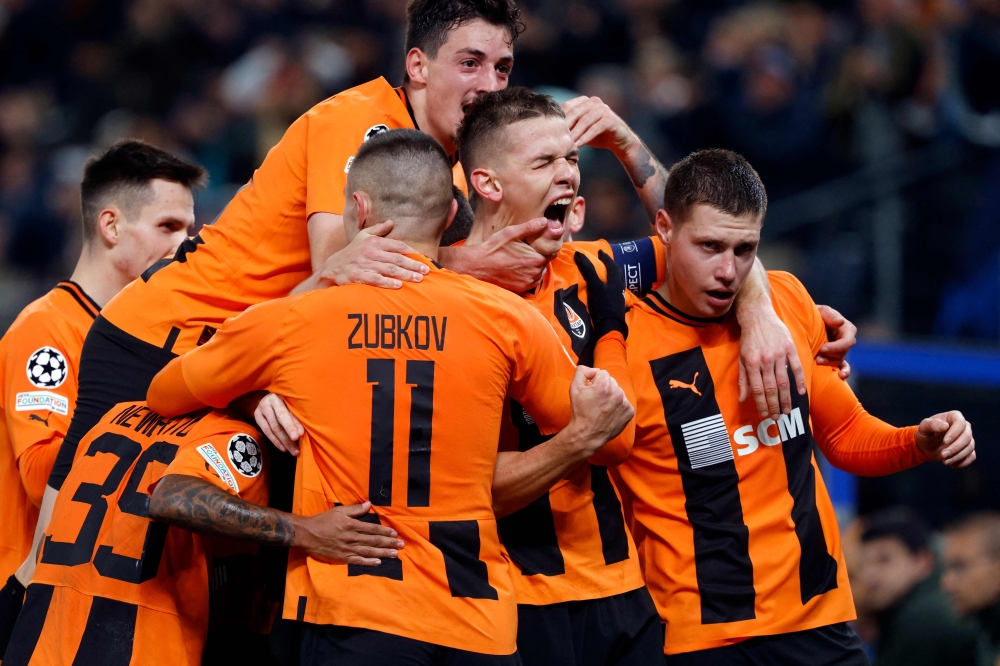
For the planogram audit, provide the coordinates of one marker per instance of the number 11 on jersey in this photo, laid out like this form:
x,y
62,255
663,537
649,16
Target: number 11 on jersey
x,y
420,376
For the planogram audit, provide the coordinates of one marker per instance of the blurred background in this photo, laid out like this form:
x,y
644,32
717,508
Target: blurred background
x,y
875,125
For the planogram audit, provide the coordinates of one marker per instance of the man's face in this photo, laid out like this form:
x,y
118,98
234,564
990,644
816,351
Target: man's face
x,y
971,576
156,229
476,58
709,257
889,571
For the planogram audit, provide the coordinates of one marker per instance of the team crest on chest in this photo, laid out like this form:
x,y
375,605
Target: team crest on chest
x,y
244,453
47,368
576,325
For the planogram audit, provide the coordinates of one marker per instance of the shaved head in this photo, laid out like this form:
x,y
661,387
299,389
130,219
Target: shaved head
x,y
407,177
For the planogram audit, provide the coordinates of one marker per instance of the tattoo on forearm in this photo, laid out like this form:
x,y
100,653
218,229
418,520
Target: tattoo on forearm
x,y
645,167
197,505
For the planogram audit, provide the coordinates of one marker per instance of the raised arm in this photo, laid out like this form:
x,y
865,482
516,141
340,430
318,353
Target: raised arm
x,y
593,123
333,536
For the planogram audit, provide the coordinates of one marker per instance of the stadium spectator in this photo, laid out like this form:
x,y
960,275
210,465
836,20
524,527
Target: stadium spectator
x,y
916,626
971,577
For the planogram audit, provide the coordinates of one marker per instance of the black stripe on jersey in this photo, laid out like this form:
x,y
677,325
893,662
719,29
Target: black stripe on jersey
x,y
171,338
458,541
529,534
656,308
421,374
109,635
300,612
78,294
817,568
391,567
699,320
381,373
28,628
610,521
580,327
637,261
711,488
189,245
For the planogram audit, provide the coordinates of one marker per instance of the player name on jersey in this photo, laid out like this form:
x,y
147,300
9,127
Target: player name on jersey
x,y
396,331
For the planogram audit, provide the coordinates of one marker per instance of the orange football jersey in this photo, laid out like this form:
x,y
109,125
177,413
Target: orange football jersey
x,y
258,249
736,532
39,361
571,544
401,395
124,588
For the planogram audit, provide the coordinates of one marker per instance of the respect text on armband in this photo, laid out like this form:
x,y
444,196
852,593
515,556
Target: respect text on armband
x,y
396,331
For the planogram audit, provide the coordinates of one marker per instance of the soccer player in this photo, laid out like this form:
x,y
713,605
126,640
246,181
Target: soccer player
x,y
576,572
410,423
137,207
113,586
738,538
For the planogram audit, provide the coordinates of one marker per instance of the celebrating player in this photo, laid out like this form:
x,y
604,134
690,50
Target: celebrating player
x,y
137,206
113,586
739,540
401,395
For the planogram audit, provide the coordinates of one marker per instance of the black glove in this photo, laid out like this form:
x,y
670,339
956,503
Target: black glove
x,y
605,300
11,598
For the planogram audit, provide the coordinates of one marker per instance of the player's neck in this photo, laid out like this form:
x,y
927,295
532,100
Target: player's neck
x,y
97,275
488,221
417,97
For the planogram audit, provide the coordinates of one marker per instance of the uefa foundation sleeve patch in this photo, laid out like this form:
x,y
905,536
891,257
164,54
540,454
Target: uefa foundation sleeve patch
x,y
42,400
213,458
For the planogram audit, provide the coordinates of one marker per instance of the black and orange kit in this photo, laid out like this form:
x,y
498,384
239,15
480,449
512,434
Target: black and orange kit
x,y
737,536
257,250
39,362
112,586
401,394
570,551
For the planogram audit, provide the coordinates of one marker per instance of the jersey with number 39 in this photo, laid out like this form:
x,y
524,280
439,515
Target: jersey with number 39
x,y
107,568
401,394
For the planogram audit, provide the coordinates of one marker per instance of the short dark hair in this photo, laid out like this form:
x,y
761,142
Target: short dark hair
x,y
902,523
491,113
123,172
408,176
429,21
718,178
461,226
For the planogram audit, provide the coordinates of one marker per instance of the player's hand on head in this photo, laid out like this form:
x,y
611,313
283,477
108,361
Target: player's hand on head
x,y
507,261
278,423
842,335
947,437
593,123
600,409
374,260
337,536
767,352
605,300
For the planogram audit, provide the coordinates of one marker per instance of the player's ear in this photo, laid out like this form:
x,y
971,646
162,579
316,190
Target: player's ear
x,y
486,185
452,212
664,226
416,65
576,214
109,223
364,204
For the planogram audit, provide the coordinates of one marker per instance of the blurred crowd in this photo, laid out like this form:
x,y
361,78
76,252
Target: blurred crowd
x,y
806,90
923,598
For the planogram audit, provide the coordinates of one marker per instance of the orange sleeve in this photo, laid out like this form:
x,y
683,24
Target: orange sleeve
x,y
210,458
242,356
609,355
852,439
542,371
38,409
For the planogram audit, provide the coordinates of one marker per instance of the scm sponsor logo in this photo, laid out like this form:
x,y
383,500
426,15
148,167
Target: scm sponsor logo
x,y
769,432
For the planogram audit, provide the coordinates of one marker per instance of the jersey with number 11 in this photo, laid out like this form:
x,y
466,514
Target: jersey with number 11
x,y
401,394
